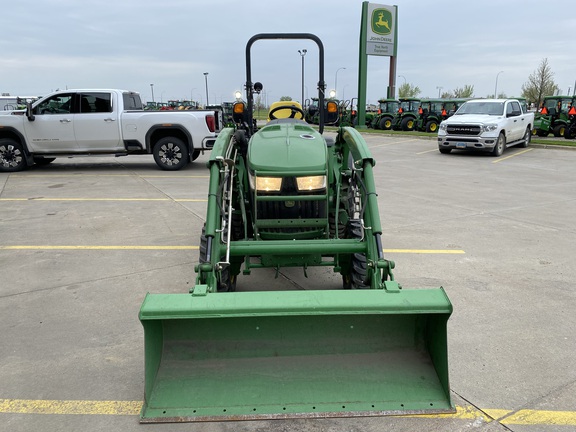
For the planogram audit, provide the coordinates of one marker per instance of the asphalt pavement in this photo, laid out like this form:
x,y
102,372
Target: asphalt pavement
x,y
83,240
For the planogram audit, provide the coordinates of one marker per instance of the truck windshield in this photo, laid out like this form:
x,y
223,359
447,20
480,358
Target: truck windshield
x,y
486,108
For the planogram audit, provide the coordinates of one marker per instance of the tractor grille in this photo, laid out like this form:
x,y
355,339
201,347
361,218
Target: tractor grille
x,y
463,130
291,210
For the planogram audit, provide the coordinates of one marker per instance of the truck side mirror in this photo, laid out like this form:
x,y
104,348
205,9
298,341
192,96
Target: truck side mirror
x,y
29,113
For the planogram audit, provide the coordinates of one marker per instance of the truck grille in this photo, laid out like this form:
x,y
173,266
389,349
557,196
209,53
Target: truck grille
x,y
463,130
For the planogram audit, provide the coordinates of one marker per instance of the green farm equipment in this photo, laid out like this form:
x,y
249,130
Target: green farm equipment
x,y
387,110
430,114
553,116
407,114
312,111
287,196
570,131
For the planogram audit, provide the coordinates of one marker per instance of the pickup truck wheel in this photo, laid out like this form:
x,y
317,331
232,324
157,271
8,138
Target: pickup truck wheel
x,y
170,154
526,138
500,144
12,157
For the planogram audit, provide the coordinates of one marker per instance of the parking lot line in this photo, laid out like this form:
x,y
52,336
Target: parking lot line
x,y
512,155
132,408
106,199
24,176
85,247
146,247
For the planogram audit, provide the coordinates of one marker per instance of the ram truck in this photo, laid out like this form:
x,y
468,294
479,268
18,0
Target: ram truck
x,y
101,122
489,125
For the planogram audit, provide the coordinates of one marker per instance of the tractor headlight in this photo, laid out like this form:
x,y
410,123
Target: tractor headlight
x,y
311,183
265,184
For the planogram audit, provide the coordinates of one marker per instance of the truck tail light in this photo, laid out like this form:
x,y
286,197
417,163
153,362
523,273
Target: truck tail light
x,y
211,123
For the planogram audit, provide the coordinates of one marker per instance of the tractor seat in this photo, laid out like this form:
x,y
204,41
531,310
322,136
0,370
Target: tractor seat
x,y
285,113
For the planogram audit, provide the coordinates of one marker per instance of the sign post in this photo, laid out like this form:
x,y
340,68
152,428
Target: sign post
x,y
378,36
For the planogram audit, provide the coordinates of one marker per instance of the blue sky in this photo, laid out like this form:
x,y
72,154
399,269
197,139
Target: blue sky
x,y
131,44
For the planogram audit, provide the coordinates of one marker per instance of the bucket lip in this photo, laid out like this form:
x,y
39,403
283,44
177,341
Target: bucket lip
x,y
281,416
285,303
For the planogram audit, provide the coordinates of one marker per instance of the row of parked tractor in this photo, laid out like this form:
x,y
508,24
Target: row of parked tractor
x,y
557,114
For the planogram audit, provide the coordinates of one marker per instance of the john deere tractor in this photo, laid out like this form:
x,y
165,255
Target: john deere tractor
x,y
387,110
430,114
570,131
553,116
407,114
285,196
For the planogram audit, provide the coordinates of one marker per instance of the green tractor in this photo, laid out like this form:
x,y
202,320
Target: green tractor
x,y
387,110
407,114
312,111
570,131
285,196
553,116
430,114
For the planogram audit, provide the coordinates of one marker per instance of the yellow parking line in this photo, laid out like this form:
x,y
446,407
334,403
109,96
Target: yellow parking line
x,y
512,155
106,199
127,247
66,247
22,176
427,151
426,251
132,408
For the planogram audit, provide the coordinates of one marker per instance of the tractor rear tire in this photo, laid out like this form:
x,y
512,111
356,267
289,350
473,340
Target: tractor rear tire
x,y
408,124
559,130
385,123
431,126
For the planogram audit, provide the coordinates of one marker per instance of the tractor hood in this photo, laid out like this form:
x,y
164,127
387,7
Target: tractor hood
x,y
287,147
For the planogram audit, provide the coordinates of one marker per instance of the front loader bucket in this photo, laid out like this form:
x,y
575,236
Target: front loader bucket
x,y
254,355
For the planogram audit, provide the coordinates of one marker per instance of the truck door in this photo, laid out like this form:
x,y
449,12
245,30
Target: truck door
x,y
516,126
96,122
53,127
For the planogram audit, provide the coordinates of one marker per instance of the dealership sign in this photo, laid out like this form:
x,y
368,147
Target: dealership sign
x,y
381,30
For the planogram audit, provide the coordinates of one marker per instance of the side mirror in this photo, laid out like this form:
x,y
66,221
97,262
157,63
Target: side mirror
x,y
29,112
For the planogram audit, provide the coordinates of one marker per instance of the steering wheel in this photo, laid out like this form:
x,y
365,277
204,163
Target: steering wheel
x,y
293,111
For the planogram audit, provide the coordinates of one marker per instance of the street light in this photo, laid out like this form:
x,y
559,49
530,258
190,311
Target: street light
x,y
336,79
152,88
496,85
206,80
402,76
439,90
302,54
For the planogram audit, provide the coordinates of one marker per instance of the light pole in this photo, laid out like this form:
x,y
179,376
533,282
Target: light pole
x,y
496,85
302,54
439,90
403,77
206,80
152,88
336,79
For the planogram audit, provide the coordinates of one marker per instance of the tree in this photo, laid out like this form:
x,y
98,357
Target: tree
x,y
408,90
540,83
465,92
285,98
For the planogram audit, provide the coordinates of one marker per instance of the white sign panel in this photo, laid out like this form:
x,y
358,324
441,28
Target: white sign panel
x,y
381,30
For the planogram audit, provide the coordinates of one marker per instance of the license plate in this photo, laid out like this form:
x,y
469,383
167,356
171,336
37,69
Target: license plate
x,y
460,145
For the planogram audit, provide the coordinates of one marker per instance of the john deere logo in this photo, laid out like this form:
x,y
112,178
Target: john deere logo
x,y
382,21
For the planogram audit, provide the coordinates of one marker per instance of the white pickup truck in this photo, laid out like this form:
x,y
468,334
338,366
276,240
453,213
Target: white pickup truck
x,y
487,125
101,122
